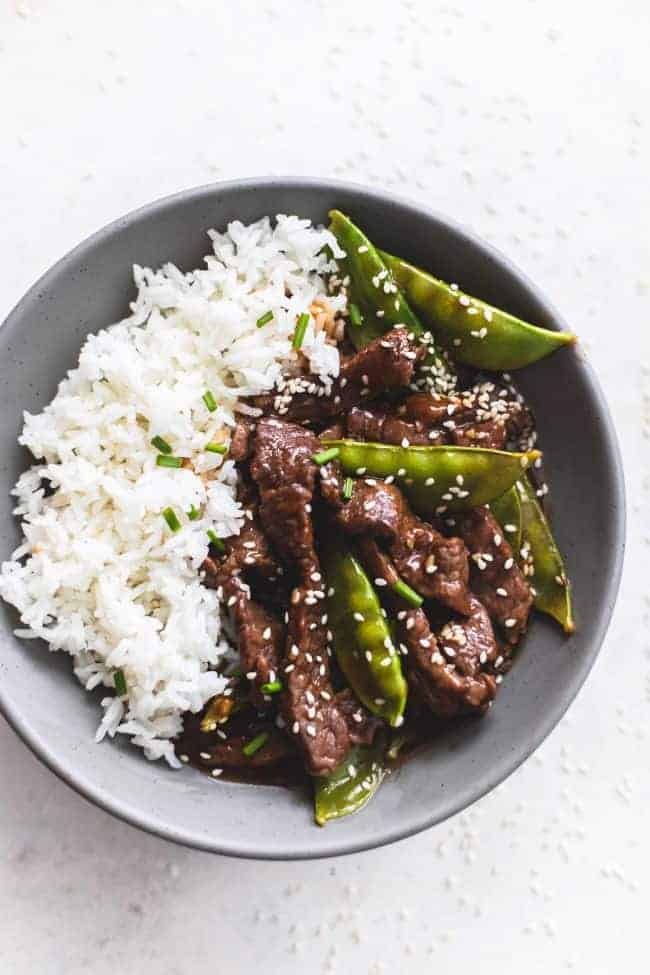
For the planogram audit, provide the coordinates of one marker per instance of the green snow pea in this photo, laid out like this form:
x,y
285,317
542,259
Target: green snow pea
x,y
476,333
507,511
350,786
363,642
549,578
371,288
437,479
377,303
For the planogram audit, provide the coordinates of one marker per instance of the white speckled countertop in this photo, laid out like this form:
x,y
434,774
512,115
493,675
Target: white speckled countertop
x,y
526,120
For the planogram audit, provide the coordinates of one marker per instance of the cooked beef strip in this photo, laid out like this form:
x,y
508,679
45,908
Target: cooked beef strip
x,y
388,362
379,425
260,635
230,753
450,681
240,440
435,566
325,724
495,575
487,415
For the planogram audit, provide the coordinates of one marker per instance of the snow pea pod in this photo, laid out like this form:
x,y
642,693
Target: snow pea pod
x,y
539,550
350,786
476,333
507,511
380,304
363,642
371,287
437,479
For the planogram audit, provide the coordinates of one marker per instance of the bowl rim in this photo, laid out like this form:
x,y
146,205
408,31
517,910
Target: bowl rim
x,y
147,821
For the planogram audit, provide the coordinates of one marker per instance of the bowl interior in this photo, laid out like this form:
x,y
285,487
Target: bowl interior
x,y
91,288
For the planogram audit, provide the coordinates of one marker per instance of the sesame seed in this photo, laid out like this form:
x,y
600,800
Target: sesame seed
x,y
510,622
359,617
216,772
267,633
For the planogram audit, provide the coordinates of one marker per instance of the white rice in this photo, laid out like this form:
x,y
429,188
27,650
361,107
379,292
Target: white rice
x,y
100,575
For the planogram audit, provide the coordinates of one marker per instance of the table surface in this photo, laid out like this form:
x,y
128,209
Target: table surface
x,y
527,122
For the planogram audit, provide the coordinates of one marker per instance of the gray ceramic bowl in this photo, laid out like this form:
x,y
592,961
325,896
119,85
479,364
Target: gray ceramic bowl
x,y
47,707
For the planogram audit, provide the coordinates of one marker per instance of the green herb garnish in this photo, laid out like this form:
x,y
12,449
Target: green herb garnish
x,y
164,460
348,488
326,455
161,445
408,594
264,319
301,328
216,541
209,401
172,521
272,687
120,683
216,448
255,744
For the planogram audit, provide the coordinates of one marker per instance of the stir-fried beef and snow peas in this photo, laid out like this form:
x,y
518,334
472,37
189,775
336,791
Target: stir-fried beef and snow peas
x,y
394,543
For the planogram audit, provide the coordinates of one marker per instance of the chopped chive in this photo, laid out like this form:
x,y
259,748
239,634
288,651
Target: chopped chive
x,y
255,744
216,448
355,314
193,513
120,683
164,460
161,445
301,328
236,671
410,595
272,687
216,541
326,455
209,401
170,517
348,488
264,319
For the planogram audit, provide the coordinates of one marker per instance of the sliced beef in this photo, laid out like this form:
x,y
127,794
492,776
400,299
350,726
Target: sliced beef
x,y
260,635
285,473
324,724
384,426
387,363
229,753
495,575
488,415
448,670
240,441
435,566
